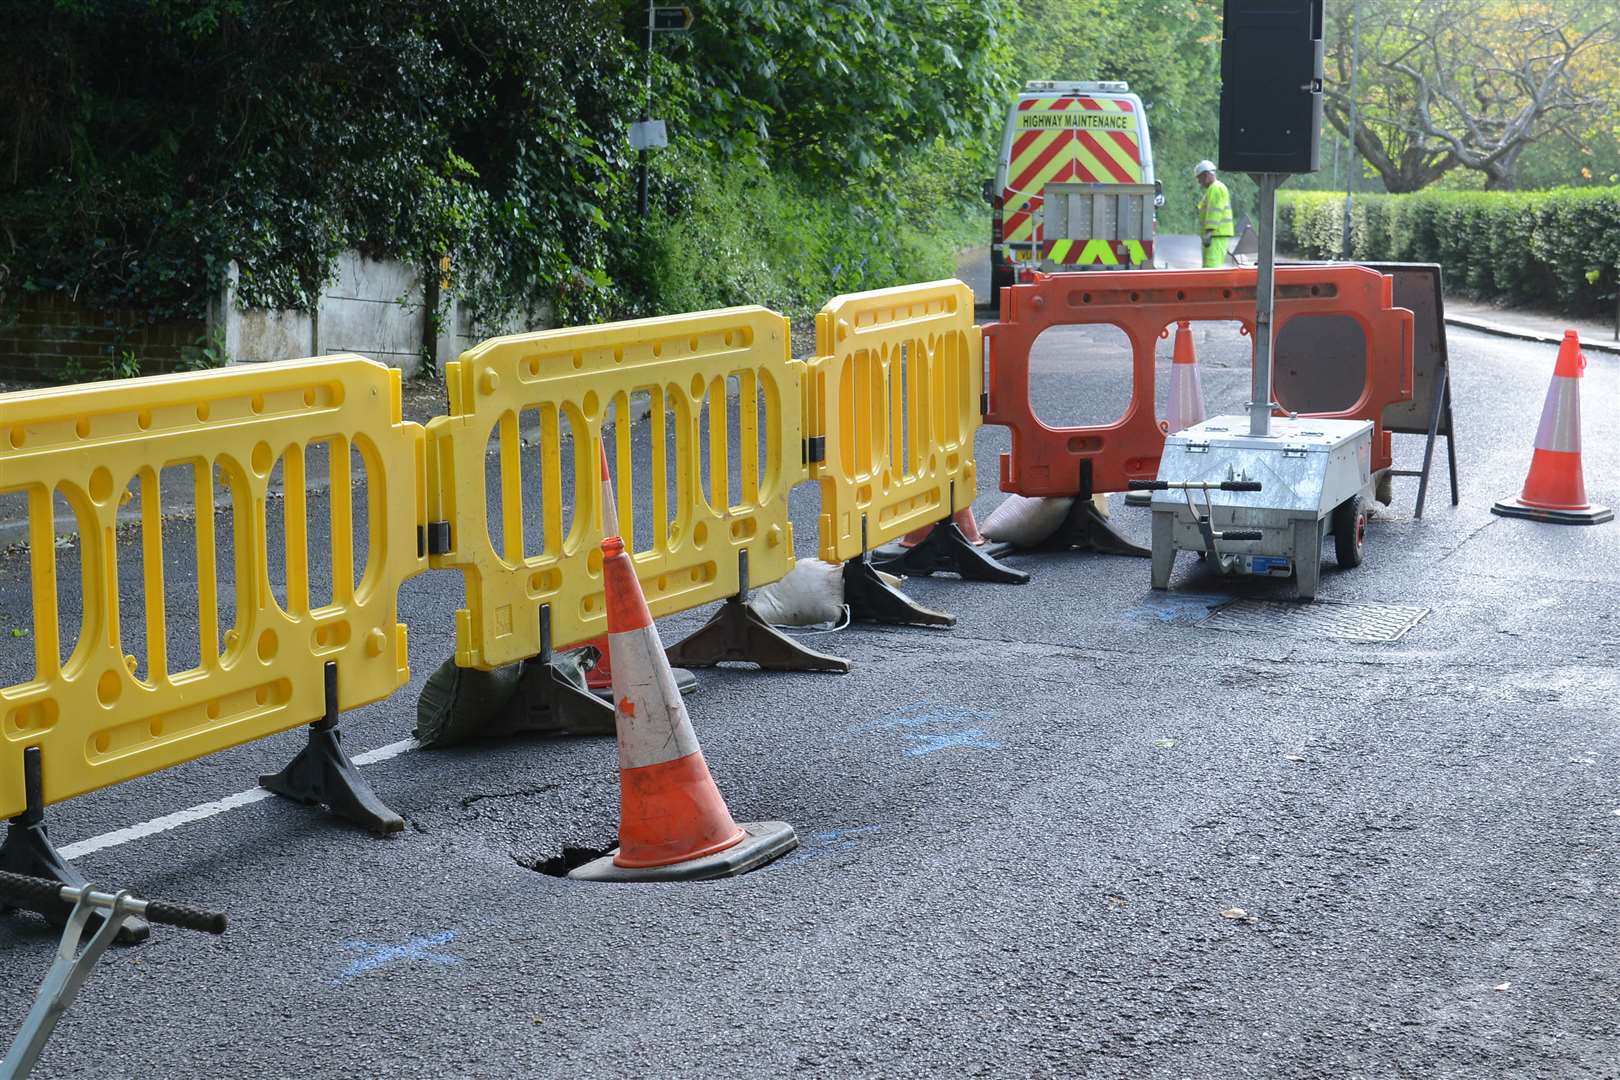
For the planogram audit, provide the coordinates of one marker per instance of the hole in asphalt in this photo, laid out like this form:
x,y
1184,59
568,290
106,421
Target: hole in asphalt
x,y
572,858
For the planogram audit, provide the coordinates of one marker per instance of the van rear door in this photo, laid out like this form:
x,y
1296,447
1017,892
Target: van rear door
x,y
1076,193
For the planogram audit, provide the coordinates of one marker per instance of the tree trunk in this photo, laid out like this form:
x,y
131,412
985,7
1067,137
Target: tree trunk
x,y
1397,183
1502,174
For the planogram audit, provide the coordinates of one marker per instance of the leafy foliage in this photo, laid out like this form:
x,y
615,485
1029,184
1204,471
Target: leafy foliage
x,y
836,90
153,142
817,145
817,148
747,235
1557,248
156,142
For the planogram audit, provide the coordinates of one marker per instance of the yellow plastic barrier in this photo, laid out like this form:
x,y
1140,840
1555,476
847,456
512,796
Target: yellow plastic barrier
x,y
572,377
895,394
97,716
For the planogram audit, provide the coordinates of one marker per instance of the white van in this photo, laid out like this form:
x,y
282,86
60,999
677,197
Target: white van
x,y
1074,186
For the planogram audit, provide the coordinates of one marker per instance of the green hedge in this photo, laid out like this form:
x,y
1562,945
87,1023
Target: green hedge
x,y
1557,249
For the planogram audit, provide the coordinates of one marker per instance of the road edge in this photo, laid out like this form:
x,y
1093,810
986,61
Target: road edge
x,y
1485,326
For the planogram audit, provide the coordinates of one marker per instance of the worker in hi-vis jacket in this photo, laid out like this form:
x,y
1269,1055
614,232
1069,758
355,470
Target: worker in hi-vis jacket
x,y
1214,215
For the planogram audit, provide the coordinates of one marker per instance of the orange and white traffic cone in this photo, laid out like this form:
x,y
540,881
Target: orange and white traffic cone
x,y
673,823
1555,490
599,677
609,510
964,520
1186,405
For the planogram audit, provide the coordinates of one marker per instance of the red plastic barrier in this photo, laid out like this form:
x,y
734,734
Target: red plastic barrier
x,y
1047,460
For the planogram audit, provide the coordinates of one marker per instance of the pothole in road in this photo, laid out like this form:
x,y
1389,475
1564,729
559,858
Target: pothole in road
x,y
570,859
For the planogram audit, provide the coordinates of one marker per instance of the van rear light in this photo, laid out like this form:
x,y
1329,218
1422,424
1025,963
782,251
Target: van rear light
x,y
995,220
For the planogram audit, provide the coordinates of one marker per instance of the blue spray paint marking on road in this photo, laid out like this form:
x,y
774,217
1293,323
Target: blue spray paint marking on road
x,y
944,727
1169,607
972,738
419,949
832,840
839,839
927,713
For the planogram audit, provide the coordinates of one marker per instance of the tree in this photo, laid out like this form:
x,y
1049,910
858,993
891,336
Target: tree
x,y
832,89
1446,84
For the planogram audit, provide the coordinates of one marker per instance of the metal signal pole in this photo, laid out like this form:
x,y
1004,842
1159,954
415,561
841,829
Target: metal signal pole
x,y
648,134
1354,167
646,114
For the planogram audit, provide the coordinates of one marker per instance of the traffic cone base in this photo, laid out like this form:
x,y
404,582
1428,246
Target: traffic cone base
x,y
1518,508
762,841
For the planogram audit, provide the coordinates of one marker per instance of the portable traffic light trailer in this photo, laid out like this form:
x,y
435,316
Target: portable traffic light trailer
x,y
1270,485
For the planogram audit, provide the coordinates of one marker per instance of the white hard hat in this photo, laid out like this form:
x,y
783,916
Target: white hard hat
x,y
1203,167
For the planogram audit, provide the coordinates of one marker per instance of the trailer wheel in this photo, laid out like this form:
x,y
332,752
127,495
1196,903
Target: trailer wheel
x,y
1349,531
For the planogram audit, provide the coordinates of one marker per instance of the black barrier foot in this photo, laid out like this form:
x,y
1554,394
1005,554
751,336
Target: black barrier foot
x,y
947,550
1088,529
871,599
28,850
323,775
554,696
557,701
1085,528
737,633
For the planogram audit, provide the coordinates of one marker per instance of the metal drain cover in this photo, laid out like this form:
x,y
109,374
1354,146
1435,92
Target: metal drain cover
x,y
1320,618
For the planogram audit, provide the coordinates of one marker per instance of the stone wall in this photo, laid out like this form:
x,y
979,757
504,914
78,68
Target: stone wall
x,y
377,308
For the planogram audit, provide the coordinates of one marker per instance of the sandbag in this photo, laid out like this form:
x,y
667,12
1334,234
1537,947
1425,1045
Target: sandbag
x,y
1025,522
459,704
811,593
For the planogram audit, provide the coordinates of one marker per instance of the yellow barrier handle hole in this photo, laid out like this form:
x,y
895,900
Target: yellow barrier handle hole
x,y
100,484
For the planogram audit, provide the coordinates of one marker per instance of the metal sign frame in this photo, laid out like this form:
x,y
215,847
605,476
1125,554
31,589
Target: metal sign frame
x,y
1417,287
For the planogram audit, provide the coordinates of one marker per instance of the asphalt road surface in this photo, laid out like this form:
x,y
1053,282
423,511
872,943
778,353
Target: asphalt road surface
x,y
1085,832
